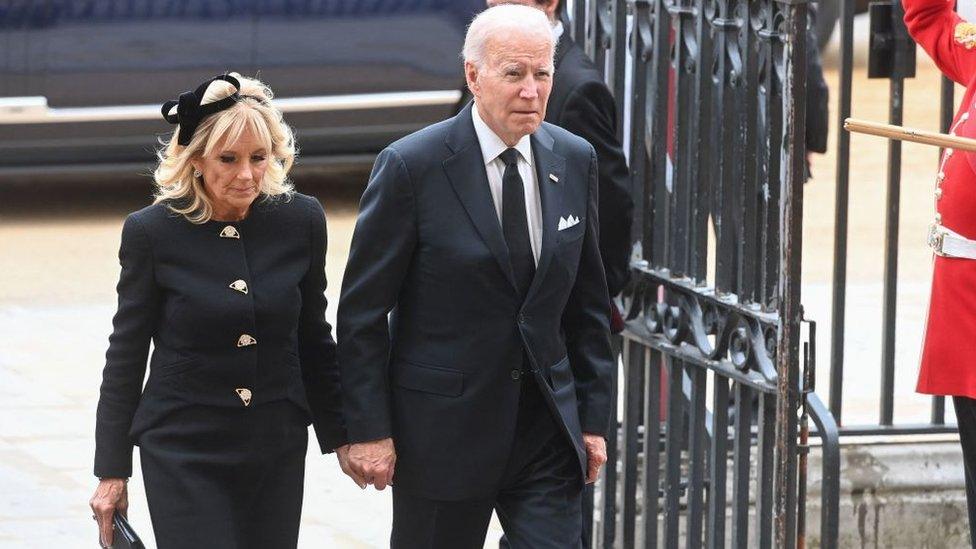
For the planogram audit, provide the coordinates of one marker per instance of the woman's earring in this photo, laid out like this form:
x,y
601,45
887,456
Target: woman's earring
x,y
197,173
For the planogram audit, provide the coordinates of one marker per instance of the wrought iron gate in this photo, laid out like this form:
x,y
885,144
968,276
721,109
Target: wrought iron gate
x,y
711,93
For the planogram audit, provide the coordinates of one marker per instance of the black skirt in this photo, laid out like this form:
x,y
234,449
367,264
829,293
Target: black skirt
x,y
226,477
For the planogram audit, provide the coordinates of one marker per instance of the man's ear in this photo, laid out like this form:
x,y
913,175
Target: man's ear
x,y
471,77
551,7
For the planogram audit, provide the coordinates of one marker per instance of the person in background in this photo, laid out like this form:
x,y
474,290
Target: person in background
x,y
225,275
818,94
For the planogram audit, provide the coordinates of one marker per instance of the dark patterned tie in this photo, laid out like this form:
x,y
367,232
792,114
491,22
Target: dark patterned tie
x,y
515,225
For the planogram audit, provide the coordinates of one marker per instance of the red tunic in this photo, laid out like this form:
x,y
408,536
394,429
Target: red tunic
x,y
948,364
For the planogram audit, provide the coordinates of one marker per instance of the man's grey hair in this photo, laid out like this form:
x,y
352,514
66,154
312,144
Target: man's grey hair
x,y
503,19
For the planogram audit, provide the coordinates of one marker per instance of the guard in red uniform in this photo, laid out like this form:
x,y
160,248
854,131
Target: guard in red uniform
x,y
948,367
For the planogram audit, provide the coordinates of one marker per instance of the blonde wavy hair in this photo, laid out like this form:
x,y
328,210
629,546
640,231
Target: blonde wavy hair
x,y
182,191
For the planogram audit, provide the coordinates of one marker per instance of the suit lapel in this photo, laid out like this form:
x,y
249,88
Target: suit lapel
x,y
466,171
547,163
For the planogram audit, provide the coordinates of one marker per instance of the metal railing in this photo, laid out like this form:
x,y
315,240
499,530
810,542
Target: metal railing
x,y
714,96
892,57
712,350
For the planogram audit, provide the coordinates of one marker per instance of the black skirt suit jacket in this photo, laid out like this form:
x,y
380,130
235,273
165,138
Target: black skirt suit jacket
x,y
236,316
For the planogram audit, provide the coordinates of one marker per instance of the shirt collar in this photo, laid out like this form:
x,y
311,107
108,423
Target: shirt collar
x,y
492,145
557,32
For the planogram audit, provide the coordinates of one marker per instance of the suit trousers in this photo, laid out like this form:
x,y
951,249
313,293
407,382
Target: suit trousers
x,y
586,541
226,478
966,417
538,501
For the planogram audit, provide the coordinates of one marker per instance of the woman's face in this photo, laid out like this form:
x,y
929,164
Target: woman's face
x,y
232,175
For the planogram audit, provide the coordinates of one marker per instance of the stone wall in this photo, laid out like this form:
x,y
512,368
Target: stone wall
x,y
896,495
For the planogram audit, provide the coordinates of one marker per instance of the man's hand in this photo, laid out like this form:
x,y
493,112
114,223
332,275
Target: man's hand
x,y
596,455
342,453
111,495
372,462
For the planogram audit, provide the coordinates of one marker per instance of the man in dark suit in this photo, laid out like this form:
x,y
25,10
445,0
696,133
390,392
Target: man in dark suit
x,y
488,386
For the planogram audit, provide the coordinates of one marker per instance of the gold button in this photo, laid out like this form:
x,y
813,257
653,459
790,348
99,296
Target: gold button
x,y
938,194
239,285
938,218
244,394
948,153
229,232
246,340
941,177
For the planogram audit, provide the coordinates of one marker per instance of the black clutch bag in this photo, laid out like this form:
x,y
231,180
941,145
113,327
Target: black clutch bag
x,y
124,536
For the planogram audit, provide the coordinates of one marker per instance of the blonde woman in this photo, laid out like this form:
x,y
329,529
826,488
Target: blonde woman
x,y
224,274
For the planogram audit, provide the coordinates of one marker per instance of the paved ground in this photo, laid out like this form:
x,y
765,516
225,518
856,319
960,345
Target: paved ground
x,y
58,268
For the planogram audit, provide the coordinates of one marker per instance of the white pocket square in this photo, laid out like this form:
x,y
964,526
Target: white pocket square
x,y
567,222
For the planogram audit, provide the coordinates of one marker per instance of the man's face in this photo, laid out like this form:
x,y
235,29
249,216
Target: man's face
x,y
513,83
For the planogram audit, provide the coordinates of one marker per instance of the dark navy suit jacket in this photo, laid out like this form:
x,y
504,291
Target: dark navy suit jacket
x,y
437,373
175,291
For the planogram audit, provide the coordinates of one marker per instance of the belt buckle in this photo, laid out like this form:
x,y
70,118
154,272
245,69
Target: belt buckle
x,y
936,238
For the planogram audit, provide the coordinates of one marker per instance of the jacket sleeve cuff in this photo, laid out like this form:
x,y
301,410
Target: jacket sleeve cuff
x,y
595,424
366,432
116,465
330,438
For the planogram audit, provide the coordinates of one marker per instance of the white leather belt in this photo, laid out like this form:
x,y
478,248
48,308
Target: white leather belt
x,y
946,243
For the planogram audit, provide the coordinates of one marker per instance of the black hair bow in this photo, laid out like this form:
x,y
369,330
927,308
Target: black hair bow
x,y
189,111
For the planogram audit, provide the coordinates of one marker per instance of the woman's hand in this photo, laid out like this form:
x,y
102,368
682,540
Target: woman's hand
x,y
110,496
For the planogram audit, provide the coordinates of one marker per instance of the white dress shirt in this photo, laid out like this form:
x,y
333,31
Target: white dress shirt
x,y
491,147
